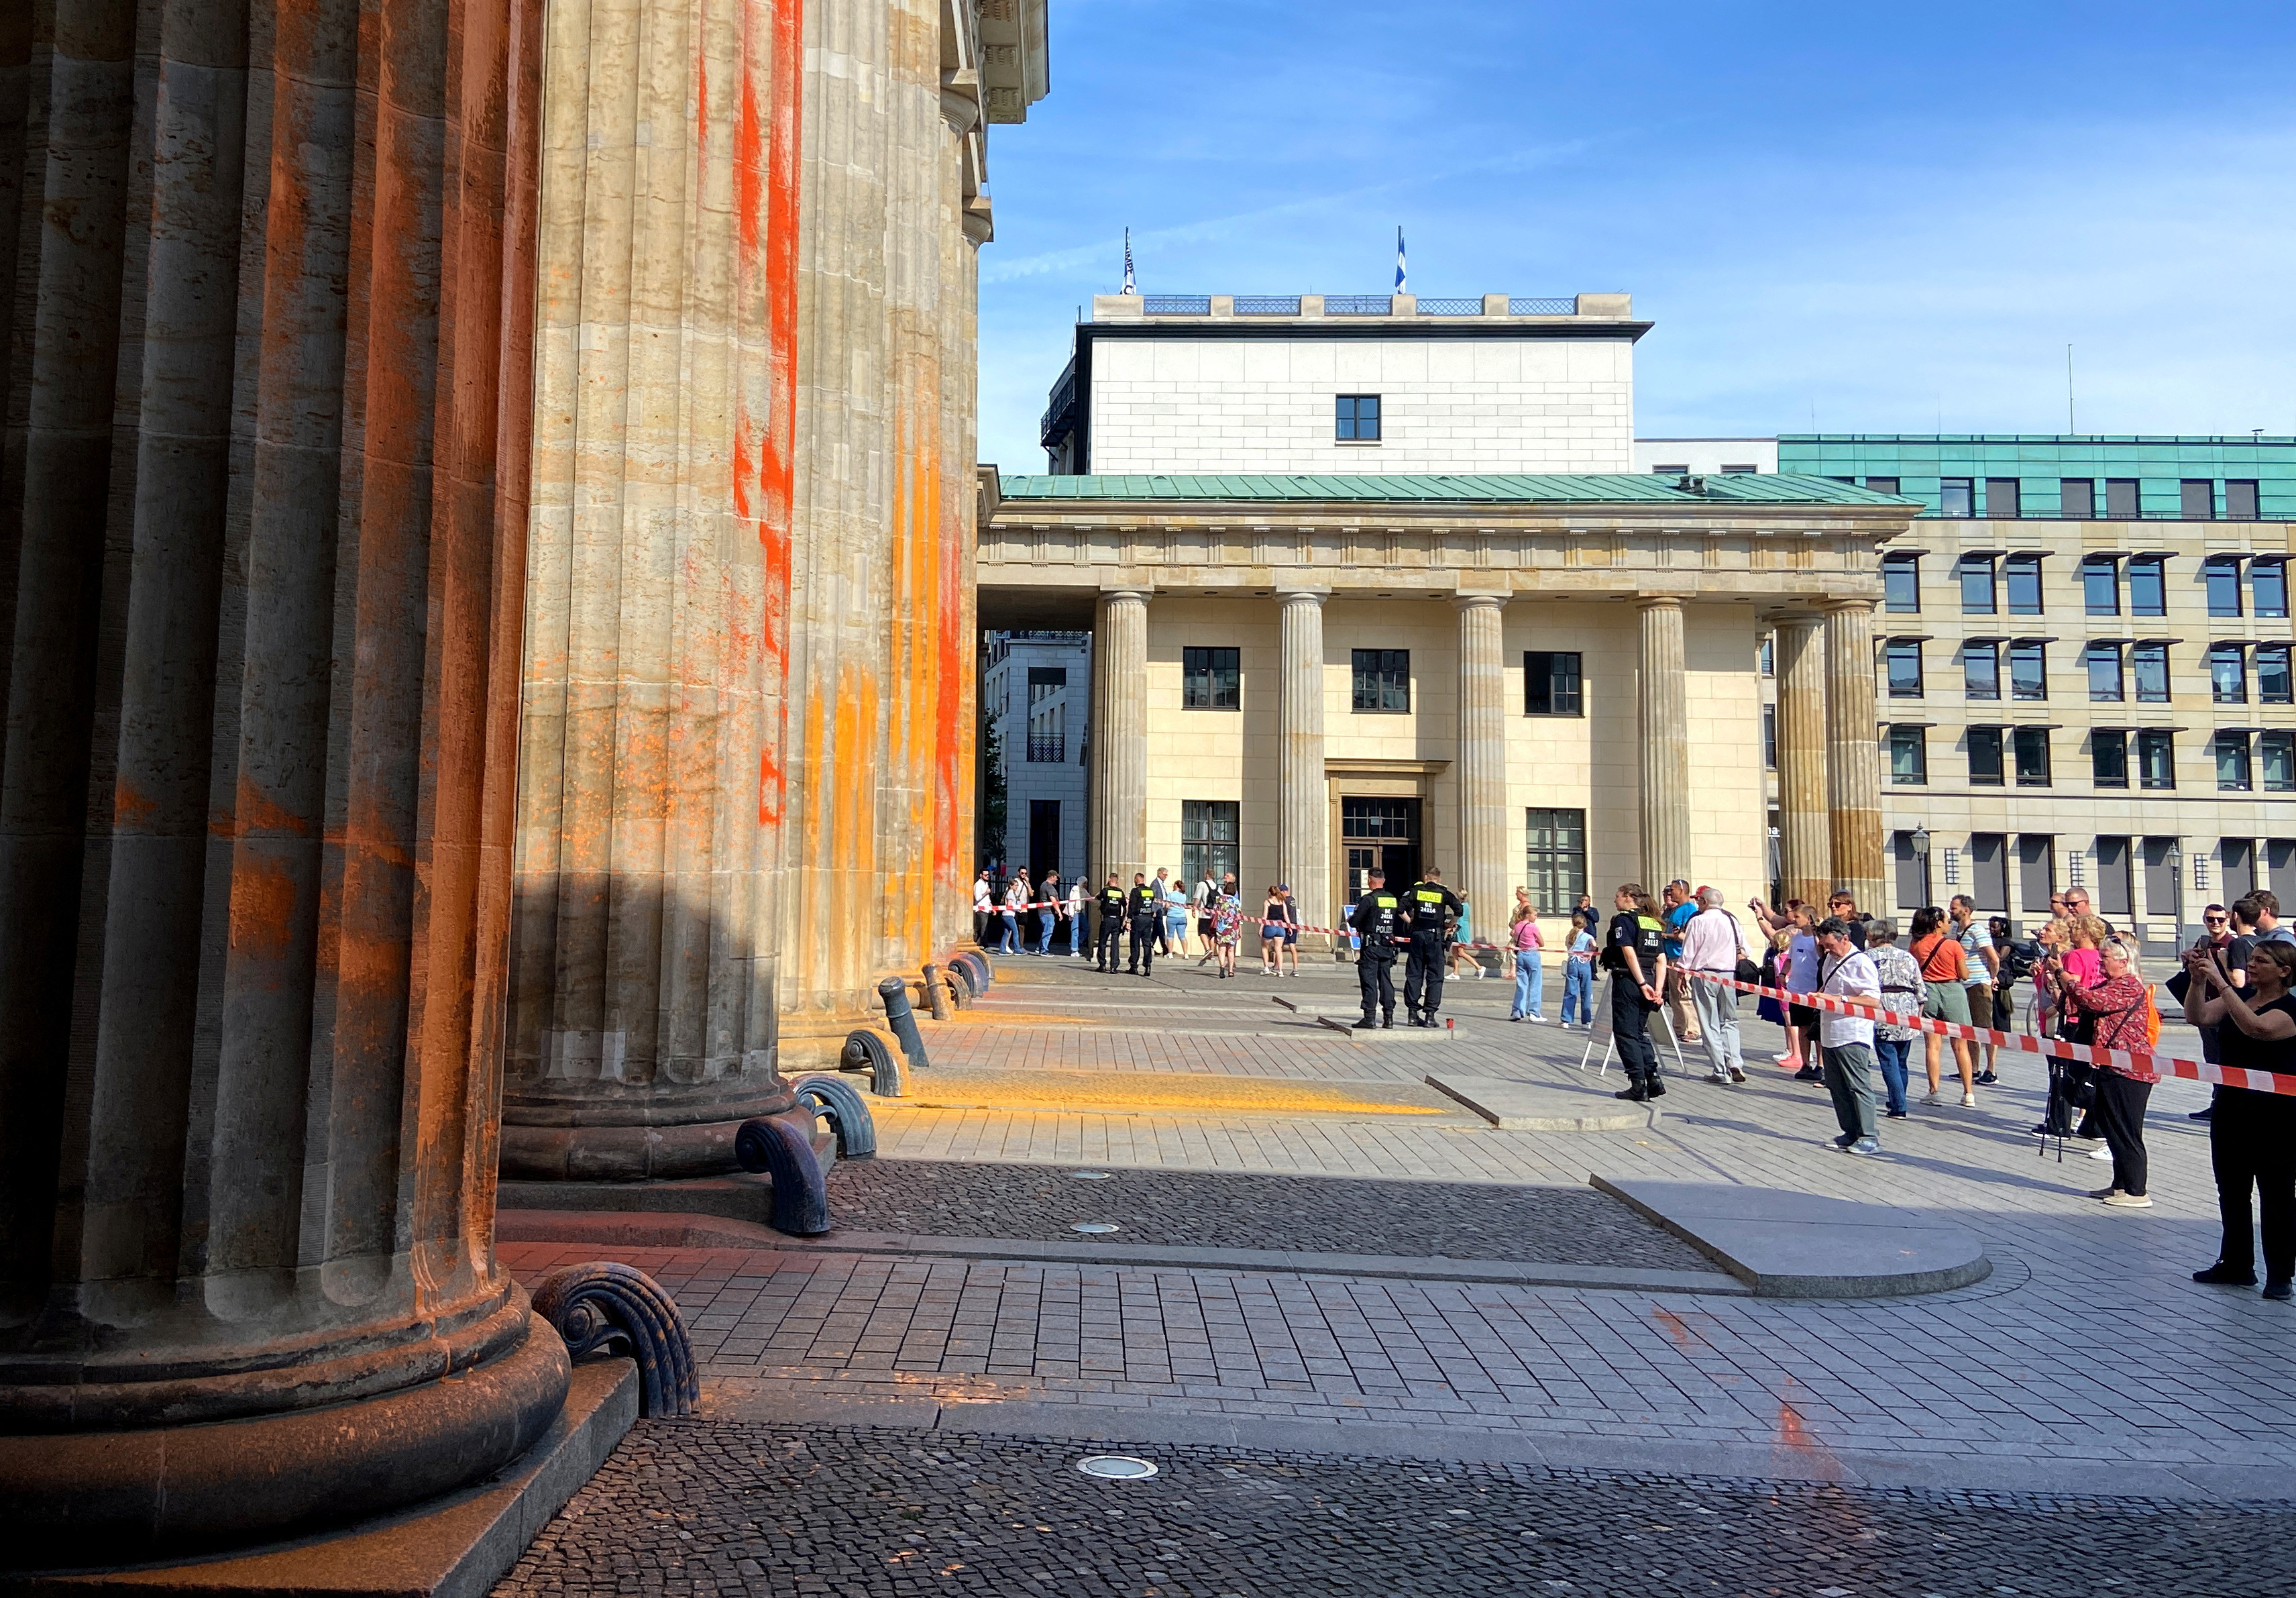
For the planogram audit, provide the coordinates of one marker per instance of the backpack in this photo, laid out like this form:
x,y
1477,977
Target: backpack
x,y
2151,1017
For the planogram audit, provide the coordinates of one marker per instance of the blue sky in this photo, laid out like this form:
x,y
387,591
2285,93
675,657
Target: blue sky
x,y
1864,218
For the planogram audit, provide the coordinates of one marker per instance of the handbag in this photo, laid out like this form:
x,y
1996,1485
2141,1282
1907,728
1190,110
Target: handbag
x,y
1746,970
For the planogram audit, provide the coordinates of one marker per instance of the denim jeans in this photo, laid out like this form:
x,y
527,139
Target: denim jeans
x,y
1890,1054
1044,938
1076,932
1530,982
1578,989
1010,943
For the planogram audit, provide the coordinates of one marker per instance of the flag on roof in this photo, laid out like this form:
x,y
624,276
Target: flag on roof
x,y
1128,289
1402,281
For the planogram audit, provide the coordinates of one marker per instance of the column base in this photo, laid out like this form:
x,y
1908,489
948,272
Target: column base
x,y
567,1142
128,1495
735,1195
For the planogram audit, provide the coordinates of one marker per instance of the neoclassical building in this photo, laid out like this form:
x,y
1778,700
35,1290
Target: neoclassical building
x,y
1550,680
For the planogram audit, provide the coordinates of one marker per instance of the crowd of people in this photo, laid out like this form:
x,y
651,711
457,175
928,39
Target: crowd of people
x,y
1154,918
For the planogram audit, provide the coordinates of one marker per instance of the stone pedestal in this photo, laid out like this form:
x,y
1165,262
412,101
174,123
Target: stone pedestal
x,y
1661,698
263,523
1119,738
1853,761
1805,846
1485,874
646,929
1303,820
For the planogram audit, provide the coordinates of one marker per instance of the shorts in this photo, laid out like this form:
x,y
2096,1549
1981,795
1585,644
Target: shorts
x,y
1270,932
1946,1001
1291,933
1204,926
1981,1004
1804,1016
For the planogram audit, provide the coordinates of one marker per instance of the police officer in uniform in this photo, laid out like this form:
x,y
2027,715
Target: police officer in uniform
x,y
1110,904
1433,911
1147,915
1376,919
1635,955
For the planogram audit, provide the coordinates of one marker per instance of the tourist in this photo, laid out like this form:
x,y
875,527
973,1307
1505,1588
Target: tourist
x,y
1462,945
1078,900
1376,920
1200,908
1842,906
1273,913
1290,928
1770,1008
1050,903
1529,953
984,903
1430,911
2252,1137
2120,1013
1172,901
2014,959
1847,971
1713,943
1227,926
1635,955
1798,969
2266,917
1977,951
1901,995
1144,910
1578,976
1585,913
1110,903
1945,973
1680,906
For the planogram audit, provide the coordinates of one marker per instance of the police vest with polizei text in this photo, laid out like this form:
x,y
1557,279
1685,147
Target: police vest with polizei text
x,y
1381,927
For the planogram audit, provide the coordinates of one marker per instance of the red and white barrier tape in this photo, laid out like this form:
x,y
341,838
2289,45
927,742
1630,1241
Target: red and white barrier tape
x,y
2139,1063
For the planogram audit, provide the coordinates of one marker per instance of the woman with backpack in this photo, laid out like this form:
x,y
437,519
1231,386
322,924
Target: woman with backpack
x,y
2117,1012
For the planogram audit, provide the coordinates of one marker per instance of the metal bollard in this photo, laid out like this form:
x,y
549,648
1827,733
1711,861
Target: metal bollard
x,y
895,992
937,992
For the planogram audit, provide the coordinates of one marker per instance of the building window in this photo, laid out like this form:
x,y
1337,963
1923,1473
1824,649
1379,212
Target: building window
x,y
1882,485
2077,499
2104,663
2100,585
2223,575
1208,838
1980,670
1911,873
1210,679
2036,871
2156,759
2227,674
1047,715
1989,872
1954,494
1976,573
1358,418
2023,577
2275,762
2108,758
1909,757
2032,757
2237,861
1901,583
2121,500
1741,470
2002,500
1985,756
2148,585
2196,499
1555,858
1905,667
2272,674
1769,737
1383,681
1551,683
2148,663
2029,671
1670,470
1765,654
2116,883
2268,581
2232,762
2240,500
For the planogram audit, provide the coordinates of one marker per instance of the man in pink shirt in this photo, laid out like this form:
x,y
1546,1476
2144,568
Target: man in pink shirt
x,y
1712,943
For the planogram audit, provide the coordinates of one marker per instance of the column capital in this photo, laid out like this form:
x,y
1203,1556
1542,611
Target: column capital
x,y
1121,592
1305,596
1470,602
1659,601
1846,604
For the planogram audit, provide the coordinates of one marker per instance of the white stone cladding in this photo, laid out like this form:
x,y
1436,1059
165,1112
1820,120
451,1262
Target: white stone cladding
x,y
1493,404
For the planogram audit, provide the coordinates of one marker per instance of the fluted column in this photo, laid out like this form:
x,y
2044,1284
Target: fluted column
x,y
1120,737
1805,844
262,518
1853,761
1485,872
642,996
1303,822
1663,700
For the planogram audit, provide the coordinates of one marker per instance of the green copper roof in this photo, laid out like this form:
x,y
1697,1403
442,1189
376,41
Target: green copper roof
x,y
1476,488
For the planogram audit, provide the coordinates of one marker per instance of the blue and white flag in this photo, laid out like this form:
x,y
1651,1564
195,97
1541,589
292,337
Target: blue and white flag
x,y
1128,289
1402,281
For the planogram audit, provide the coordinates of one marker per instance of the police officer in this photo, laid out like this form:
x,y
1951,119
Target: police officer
x,y
1110,904
1433,910
1635,955
1147,907
1376,920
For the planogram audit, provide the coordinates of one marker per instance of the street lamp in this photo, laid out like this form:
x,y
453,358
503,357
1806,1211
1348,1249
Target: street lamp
x,y
1921,842
2176,876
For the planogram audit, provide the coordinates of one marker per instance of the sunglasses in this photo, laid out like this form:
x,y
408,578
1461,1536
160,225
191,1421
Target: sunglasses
x,y
2213,921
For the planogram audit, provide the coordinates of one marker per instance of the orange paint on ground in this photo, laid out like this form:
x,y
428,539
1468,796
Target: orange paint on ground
x,y
1675,1328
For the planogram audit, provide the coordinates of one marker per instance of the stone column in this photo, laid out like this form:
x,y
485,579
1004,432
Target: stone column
x,y
1485,873
1805,847
1303,820
1663,700
1853,761
642,998
263,515
1120,737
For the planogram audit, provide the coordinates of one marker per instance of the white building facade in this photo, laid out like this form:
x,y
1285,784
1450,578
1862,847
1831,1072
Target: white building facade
x,y
1036,701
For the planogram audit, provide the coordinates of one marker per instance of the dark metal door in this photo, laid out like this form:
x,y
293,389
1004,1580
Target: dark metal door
x,y
1382,833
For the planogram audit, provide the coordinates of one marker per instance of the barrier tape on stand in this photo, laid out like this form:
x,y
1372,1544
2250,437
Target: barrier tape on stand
x,y
2142,1064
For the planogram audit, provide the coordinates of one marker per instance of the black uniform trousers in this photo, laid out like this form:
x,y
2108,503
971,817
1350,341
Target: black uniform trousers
x,y
1375,975
1109,940
2253,1145
1422,974
1630,1029
1141,958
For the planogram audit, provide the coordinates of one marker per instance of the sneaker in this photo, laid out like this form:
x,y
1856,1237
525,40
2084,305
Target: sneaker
x,y
1930,1098
2102,1192
2221,1275
2280,1291
1865,1145
2105,1153
1987,1079
1895,1115
1842,1140
2135,1201
1785,1059
1719,1079
1810,1073
1969,1101
1535,1016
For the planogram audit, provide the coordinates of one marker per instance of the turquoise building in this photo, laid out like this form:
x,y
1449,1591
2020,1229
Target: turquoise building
x,y
2001,477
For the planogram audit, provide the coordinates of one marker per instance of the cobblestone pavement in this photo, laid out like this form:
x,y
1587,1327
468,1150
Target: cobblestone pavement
x,y
689,1511
1549,1226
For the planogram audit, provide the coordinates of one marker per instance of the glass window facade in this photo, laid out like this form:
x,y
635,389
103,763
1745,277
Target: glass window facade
x,y
2103,662
1909,756
1904,656
1976,573
2101,585
2148,585
2267,582
1901,583
1551,683
1210,679
1555,858
1358,421
2222,573
1980,671
2233,775
1383,681
2272,674
2077,499
2275,762
2008,476
1208,838
2156,758
1955,495
2108,754
2021,576
2032,757
2227,674
1985,756
2148,663
2029,669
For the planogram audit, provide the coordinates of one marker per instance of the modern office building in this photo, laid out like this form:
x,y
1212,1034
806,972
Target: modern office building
x,y
2083,667
1035,702
1673,457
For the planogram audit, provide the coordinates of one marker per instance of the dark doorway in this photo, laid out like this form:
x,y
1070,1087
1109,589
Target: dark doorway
x,y
1378,835
1044,836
